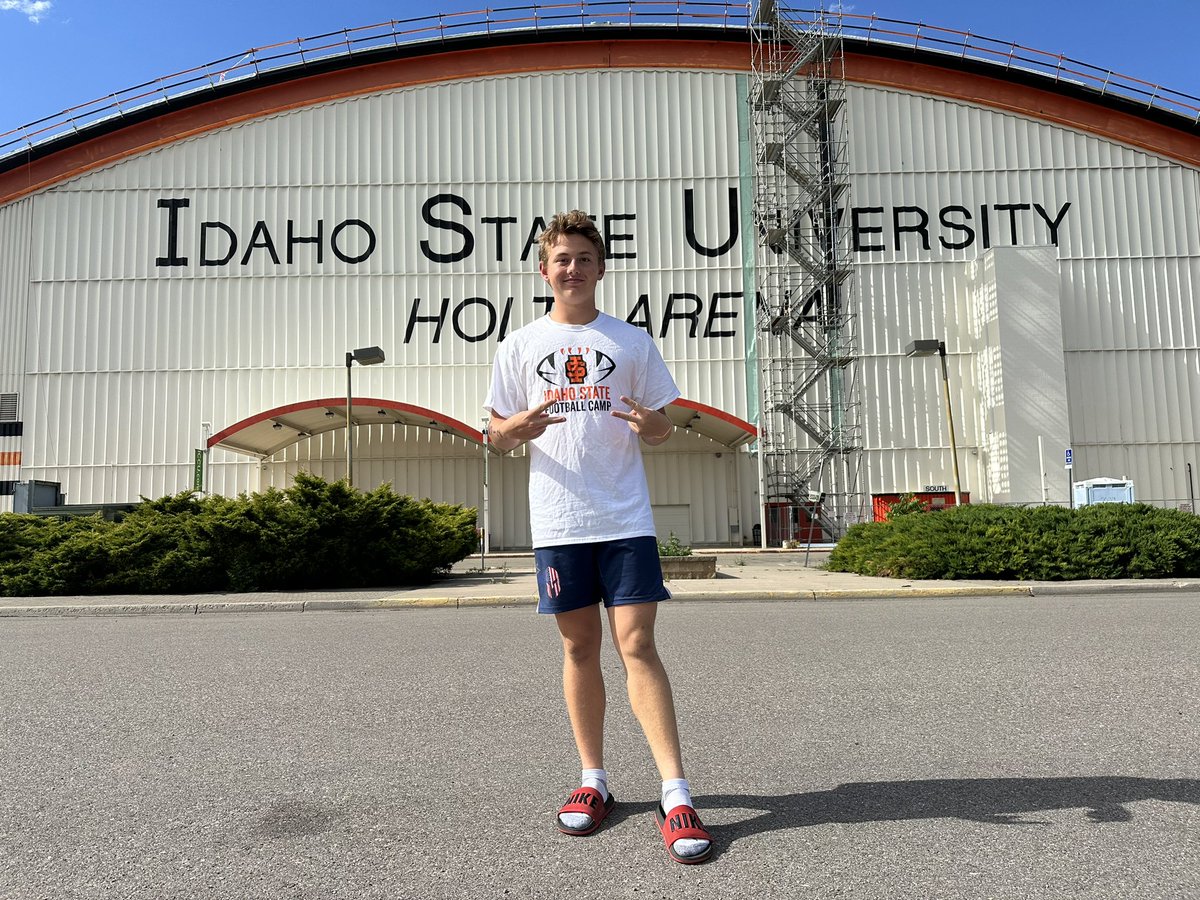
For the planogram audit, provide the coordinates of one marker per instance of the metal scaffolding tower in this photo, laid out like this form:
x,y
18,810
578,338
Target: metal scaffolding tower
x,y
809,427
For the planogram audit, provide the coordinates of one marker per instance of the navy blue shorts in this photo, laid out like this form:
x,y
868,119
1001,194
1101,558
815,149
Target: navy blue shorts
x,y
572,576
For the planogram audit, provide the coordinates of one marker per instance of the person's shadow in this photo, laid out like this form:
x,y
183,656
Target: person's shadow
x,y
996,801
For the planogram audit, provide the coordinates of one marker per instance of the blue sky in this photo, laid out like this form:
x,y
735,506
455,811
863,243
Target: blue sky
x,y
55,54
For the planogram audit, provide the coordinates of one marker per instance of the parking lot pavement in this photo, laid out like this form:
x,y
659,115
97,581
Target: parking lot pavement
x,y
1003,747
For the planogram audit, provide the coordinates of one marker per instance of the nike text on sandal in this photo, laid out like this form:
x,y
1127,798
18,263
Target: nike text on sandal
x,y
682,822
585,801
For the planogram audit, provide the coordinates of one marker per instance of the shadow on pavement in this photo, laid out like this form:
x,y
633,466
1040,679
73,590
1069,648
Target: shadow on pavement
x,y
998,801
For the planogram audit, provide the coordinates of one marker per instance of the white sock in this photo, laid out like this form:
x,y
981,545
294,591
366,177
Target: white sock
x,y
597,779
677,792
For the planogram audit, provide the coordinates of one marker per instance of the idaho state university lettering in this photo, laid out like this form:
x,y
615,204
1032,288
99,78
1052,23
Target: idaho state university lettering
x,y
584,398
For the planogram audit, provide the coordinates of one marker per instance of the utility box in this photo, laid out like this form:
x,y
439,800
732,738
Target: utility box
x,y
931,500
1103,490
29,495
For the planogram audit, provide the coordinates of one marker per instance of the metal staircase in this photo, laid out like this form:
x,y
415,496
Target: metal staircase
x,y
807,346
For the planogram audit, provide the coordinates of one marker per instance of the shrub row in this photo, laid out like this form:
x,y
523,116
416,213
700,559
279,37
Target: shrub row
x,y
1041,543
315,534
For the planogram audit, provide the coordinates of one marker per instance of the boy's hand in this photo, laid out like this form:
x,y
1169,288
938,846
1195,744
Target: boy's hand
x,y
651,425
510,433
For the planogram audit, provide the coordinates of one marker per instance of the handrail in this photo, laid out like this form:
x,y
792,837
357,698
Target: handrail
x,y
584,14
1010,55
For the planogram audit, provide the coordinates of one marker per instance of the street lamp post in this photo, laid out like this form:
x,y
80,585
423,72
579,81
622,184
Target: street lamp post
x,y
929,347
364,356
485,544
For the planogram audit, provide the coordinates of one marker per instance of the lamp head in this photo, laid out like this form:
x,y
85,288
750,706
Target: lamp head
x,y
367,356
924,347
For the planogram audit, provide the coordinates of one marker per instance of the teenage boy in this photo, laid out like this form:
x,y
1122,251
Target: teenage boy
x,y
583,388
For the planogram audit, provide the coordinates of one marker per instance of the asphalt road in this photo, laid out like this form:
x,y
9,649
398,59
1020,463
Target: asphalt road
x,y
927,748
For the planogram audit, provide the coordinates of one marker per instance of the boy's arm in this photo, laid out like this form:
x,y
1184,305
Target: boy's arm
x,y
508,433
653,426
654,438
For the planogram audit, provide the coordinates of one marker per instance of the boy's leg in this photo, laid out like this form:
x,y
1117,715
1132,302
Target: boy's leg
x,y
647,683
583,688
583,682
650,696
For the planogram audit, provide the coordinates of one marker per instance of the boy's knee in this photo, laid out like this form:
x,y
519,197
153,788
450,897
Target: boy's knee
x,y
637,646
581,648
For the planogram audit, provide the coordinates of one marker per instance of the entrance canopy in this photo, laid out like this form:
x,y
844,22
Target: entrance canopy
x,y
711,422
268,432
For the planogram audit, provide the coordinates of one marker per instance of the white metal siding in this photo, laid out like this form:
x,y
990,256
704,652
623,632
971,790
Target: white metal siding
x,y
128,357
120,359
14,298
673,521
693,471
14,291
1129,256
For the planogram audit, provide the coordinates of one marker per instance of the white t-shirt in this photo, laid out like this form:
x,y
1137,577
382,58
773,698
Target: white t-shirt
x,y
586,479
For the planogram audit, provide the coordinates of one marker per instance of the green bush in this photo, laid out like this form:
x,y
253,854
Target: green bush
x,y
673,547
315,534
1041,543
907,505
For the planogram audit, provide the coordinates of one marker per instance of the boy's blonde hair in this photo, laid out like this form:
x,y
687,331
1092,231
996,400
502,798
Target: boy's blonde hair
x,y
574,222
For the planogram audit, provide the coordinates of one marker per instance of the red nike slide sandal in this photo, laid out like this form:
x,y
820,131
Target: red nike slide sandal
x,y
682,822
587,801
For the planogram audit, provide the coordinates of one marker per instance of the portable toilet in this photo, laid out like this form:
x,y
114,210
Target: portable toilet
x,y
1103,490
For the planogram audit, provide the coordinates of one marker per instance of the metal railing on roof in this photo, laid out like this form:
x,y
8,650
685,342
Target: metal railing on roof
x,y
583,14
1010,55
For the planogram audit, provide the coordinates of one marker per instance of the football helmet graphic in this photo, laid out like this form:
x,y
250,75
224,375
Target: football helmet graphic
x,y
573,365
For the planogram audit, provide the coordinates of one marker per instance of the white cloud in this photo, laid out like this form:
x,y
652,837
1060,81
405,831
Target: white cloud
x,y
34,9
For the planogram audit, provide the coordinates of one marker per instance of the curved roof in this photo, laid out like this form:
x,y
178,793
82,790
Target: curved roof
x,y
269,431
588,35
266,433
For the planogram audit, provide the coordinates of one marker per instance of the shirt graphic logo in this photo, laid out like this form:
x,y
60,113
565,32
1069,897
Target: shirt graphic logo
x,y
576,368
572,365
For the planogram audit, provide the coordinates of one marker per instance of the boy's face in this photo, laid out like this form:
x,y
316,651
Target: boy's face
x,y
573,268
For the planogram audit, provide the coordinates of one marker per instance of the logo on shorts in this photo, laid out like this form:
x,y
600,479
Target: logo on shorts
x,y
573,365
553,585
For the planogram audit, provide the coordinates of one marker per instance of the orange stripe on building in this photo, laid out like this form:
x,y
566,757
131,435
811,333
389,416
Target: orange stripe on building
x,y
260,102
917,76
10,458
1029,100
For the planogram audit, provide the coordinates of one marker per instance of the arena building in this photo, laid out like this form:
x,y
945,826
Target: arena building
x,y
187,268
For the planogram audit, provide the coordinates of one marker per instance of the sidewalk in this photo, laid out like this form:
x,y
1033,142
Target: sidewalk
x,y
509,580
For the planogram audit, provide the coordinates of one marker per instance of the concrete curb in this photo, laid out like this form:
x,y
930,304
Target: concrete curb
x,y
1118,587
898,593
104,609
901,591
351,604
